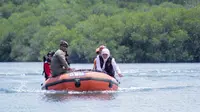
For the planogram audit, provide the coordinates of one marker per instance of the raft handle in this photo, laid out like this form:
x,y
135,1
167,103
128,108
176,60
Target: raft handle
x,y
77,82
110,84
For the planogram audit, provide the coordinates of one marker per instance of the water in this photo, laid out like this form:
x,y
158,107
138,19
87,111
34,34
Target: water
x,y
144,88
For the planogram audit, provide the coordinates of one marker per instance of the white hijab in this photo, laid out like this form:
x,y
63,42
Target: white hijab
x,y
105,51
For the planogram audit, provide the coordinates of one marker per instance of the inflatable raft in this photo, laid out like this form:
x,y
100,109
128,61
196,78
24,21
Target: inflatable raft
x,y
81,80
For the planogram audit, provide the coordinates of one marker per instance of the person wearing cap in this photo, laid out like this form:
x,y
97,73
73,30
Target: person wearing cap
x,y
59,64
98,51
106,63
46,64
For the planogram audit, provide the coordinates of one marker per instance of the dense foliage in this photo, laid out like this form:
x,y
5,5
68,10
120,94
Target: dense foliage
x,y
133,30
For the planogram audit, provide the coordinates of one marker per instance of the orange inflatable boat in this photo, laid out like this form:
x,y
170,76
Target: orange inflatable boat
x,y
81,80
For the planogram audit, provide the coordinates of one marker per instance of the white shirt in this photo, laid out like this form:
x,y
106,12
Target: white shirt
x,y
114,64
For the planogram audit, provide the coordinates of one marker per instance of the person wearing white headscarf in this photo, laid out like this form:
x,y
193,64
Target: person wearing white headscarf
x,y
105,63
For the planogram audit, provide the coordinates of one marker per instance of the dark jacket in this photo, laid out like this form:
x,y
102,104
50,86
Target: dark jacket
x,y
108,66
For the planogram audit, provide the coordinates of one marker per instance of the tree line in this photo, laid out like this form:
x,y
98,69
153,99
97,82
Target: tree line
x,y
135,31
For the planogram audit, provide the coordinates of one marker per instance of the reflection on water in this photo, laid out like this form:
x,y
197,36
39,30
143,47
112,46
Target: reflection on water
x,y
59,97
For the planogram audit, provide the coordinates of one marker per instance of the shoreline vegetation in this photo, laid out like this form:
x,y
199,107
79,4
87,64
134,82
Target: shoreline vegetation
x,y
135,31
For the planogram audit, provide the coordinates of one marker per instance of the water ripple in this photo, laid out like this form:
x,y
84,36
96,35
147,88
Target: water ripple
x,y
145,89
129,89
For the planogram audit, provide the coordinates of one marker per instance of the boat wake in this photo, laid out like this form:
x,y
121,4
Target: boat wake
x,y
120,90
161,75
146,89
59,96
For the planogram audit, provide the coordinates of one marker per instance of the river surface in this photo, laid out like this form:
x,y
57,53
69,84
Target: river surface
x,y
144,88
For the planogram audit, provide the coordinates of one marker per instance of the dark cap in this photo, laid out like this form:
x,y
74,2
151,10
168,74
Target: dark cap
x,y
64,43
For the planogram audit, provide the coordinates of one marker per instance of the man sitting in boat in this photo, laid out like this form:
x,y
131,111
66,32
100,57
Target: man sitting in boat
x,y
106,63
98,52
59,64
46,66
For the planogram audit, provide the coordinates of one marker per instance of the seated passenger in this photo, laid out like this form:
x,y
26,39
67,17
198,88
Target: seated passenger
x,y
59,65
46,65
106,63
